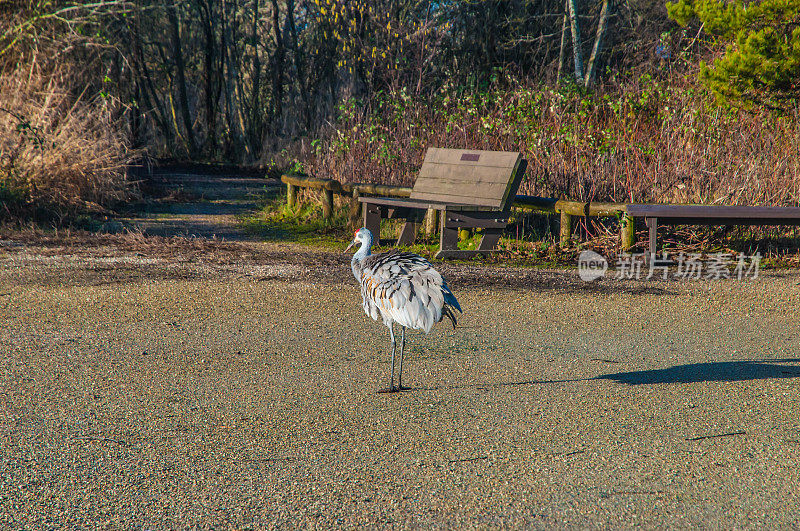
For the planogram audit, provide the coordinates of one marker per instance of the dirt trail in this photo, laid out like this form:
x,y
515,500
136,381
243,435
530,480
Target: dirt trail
x,y
199,205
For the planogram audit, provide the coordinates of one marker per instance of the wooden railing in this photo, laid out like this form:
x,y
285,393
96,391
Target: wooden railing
x,y
568,210
329,187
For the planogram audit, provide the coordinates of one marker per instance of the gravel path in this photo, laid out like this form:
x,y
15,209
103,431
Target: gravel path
x,y
148,392
199,205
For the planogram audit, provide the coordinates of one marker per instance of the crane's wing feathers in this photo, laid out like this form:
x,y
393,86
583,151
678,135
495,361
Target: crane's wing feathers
x,y
405,288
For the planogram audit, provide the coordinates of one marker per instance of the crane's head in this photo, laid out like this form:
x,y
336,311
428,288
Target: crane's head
x,y
362,236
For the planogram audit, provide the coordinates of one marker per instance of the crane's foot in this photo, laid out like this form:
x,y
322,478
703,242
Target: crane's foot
x,y
395,389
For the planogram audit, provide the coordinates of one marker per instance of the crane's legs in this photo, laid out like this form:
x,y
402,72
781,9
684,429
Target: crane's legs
x,y
402,348
391,388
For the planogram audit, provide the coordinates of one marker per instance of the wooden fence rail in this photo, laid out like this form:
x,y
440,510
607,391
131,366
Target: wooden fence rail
x,y
568,210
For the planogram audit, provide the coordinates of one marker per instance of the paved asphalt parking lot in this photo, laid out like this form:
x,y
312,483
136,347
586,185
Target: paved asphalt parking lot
x,y
139,393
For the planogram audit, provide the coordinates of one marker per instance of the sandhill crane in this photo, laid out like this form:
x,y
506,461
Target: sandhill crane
x,y
401,288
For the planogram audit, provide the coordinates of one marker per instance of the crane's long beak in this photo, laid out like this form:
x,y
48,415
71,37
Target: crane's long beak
x,y
352,243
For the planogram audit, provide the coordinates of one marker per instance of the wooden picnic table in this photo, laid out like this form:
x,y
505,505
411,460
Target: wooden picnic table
x,y
709,215
470,189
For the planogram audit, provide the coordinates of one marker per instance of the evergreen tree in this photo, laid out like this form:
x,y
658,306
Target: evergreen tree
x,y
761,64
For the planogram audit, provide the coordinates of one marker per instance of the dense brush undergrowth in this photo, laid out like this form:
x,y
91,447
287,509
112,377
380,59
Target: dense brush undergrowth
x,y
639,138
61,153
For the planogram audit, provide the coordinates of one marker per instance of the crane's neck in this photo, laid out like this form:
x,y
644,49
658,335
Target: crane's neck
x,y
363,252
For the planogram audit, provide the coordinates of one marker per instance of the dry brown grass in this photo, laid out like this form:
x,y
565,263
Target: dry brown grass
x,y
61,153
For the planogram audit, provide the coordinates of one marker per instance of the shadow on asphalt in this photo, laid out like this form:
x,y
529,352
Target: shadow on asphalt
x,y
723,371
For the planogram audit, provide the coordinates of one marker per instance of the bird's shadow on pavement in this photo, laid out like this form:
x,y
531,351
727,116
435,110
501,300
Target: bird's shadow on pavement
x,y
721,371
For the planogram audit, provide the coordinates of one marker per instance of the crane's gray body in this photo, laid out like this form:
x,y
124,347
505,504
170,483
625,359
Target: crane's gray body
x,y
401,288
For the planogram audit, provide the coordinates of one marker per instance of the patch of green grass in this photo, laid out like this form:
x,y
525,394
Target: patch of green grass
x,y
303,223
526,243
469,240
422,247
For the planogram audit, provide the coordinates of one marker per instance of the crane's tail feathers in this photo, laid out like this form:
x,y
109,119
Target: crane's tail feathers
x,y
448,312
450,299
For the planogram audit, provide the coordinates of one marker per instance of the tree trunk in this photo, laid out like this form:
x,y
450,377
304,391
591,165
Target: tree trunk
x,y
231,72
562,50
211,92
576,41
278,60
255,124
172,16
602,27
150,97
298,62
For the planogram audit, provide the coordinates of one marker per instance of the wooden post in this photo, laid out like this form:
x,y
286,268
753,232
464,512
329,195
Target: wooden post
x,y
291,195
355,210
573,208
372,220
627,232
408,233
490,239
448,239
611,210
327,204
652,232
430,221
537,204
382,189
566,229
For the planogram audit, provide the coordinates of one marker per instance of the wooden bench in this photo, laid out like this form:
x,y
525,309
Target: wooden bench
x,y
710,215
469,188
